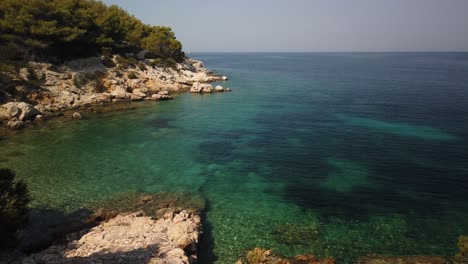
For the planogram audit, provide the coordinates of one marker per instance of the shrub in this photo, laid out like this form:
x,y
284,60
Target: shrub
x,y
14,198
108,62
106,51
125,62
142,66
95,78
79,80
163,63
132,75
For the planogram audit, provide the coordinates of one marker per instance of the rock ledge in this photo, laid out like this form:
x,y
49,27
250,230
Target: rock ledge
x,y
132,238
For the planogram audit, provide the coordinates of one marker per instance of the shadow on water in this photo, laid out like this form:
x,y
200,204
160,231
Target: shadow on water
x,y
206,246
47,226
138,256
216,151
160,122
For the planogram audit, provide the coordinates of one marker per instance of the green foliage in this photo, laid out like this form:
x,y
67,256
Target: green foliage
x,y
95,79
132,75
79,80
142,66
14,198
108,62
163,63
126,62
7,86
77,28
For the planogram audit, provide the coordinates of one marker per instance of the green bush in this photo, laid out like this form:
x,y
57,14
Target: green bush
x,y
163,63
108,62
132,75
125,62
14,199
79,80
79,28
142,66
93,78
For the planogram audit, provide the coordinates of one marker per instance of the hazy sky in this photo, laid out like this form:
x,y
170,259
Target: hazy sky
x,y
309,25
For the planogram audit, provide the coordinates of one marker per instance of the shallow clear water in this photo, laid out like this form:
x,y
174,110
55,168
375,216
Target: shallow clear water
x,y
327,154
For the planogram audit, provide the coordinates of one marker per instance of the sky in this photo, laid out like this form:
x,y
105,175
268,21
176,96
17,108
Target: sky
x,y
309,25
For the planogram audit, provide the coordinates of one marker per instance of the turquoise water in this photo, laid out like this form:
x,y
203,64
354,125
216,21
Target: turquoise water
x,y
330,154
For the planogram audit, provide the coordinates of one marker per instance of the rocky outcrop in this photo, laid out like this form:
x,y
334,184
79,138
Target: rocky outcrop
x,y
15,124
86,82
132,238
19,110
198,87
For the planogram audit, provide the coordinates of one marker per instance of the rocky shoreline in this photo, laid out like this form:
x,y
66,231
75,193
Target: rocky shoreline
x,y
131,228
130,238
46,90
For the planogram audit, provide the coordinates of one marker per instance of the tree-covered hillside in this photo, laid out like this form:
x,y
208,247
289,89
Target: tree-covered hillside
x,y
56,30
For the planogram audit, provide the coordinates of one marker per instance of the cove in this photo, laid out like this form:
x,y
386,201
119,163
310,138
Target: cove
x,y
273,164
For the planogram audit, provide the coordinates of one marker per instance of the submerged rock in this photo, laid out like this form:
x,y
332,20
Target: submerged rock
x,y
264,256
15,124
77,116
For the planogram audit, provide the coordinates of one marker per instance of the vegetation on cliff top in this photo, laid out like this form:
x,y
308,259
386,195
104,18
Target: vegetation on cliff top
x,y
56,30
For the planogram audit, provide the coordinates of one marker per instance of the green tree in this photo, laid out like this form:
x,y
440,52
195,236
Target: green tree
x,y
78,28
161,42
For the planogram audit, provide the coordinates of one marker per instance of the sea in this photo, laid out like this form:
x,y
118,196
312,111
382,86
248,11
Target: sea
x,y
328,154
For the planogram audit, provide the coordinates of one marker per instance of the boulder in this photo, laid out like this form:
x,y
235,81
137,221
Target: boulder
x,y
207,88
157,97
120,93
67,98
219,88
196,88
201,88
77,116
39,118
163,92
139,93
21,110
135,97
27,111
25,74
224,78
227,89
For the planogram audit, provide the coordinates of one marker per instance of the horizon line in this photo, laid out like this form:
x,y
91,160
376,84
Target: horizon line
x,y
299,52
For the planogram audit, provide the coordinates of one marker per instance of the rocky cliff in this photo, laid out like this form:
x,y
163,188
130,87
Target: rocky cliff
x,y
43,89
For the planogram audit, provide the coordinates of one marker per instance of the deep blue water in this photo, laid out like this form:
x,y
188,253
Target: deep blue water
x,y
333,154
